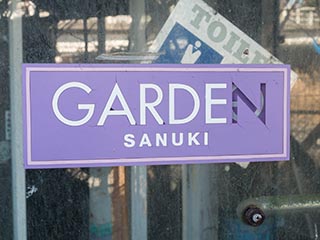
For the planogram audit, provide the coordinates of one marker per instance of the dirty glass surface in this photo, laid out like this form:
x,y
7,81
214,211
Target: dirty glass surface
x,y
105,203
5,170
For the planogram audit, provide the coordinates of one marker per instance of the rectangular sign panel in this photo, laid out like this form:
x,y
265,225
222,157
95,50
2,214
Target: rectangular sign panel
x,y
107,115
195,33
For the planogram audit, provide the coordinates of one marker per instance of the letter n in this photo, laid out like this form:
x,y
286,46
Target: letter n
x,y
260,111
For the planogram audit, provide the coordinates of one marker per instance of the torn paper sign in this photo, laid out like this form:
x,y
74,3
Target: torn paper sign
x,y
195,33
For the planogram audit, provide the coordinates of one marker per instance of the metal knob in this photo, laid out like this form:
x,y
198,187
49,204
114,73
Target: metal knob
x,y
253,216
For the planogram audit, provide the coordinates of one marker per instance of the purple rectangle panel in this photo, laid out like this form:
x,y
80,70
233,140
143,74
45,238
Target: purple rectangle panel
x,y
111,115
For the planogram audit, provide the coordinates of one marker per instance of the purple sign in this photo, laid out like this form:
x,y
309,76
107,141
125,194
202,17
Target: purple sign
x,y
108,115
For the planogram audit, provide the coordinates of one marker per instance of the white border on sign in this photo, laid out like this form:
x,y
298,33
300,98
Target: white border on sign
x,y
111,161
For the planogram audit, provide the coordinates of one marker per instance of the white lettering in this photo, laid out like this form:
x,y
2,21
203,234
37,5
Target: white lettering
x,y
145,140
210,101
174,139
161,139
196,106
89,107
192,138
150,106
116,92
206,139
129,140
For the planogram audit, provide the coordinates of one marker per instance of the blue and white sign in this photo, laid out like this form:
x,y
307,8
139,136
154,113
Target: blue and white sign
x,y
196,33
181,46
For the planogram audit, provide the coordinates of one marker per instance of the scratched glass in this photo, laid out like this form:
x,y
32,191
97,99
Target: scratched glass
x,y
275,200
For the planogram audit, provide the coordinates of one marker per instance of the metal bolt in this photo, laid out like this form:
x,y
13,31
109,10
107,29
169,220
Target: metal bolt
x,y
257,217
253,216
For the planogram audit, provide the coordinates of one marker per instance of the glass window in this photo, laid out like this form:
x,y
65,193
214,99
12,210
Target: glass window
x,y
158,202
